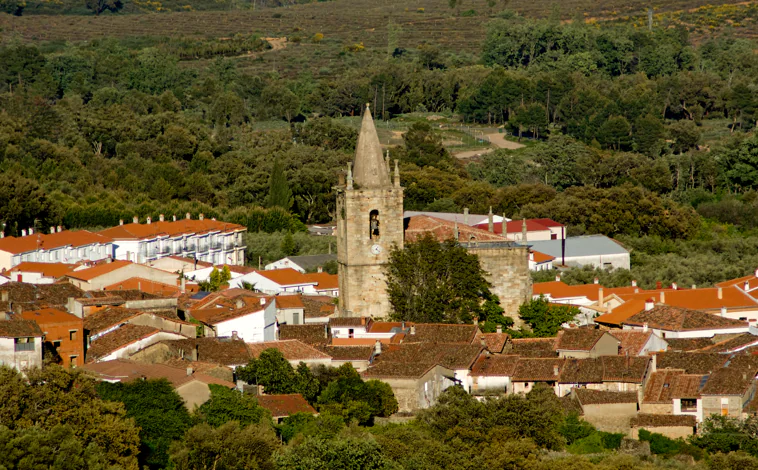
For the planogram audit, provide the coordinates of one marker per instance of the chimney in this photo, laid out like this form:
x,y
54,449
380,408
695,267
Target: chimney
x,y
183,285
723,311
397,174
59,229
161,218
2,234
531,256
4,295
483,341
121,221
523,230
600,297
499,329
349,184
402,326
139,285
31,231
188,216
658,285
649,304
377,348
23,232
674,286
556,370
189,371
558,277
756,273
52,230
173,217
644,327
239,303
135,220
747,286
634,283
320,269
663,297
235,335
149,220
694,286
195,353
263,301
476,320
465,215
200,217
720,293
413,329
490,223
596,281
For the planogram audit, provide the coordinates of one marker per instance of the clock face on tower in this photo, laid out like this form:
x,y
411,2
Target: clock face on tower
x,y
376,249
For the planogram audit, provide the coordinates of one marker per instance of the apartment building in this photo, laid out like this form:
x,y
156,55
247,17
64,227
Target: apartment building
x,y
206,240
58,246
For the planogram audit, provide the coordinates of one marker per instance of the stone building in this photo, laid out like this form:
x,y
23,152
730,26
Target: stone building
x,y
369,224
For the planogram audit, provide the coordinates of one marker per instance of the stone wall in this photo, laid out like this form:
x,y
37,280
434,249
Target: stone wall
x,y
610,417
362,278
657,408
507,267
672,432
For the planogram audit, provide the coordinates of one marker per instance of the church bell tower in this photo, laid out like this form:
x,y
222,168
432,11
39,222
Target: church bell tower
x,y
369,224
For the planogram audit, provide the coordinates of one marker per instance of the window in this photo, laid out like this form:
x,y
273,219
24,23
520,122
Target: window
x,y
72,335
296,318
57,344
351,333
74,360
554,236
724,410
373,224
24,344
689,404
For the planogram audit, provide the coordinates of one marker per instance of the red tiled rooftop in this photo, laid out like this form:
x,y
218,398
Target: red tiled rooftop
x,y
180,227
287,277
539,257
126,371
289,301
325,281
50,316
49,241
443,230
281,406
666,317
514,226
46,269
632,341
144,285
96,271
292,350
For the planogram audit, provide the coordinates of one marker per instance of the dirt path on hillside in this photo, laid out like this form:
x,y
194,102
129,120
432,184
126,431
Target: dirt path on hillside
x,y
497,139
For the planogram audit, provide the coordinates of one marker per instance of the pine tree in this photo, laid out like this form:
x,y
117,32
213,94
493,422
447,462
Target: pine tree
x,y
279,193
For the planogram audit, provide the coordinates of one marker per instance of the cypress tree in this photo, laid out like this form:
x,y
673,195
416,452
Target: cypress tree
x,y
279,193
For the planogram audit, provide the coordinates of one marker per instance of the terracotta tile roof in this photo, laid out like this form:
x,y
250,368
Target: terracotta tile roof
x,y
214,316
494,365
19,328
49,241
534,347
660,386
547,222
281,406
644,420
55,270
736,343
225,351
515,226
387,326
739,282
450,355
126,371
628,369
632,341
289,301
691,363
600,397
113,316
126,294
286,277
180,227
581,371
349,321
561,290
411,370
292,350
617,316
51,316
443,333
318,306
578,339
538,370
308,334
687,386
688,344
144,285
99,270
347,353
735,378
418,225
117,339
325,281
35,296
539,257
495,342
666,317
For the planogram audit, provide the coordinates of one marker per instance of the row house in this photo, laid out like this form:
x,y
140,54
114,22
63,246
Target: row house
x,y
206,240
20,343
58,246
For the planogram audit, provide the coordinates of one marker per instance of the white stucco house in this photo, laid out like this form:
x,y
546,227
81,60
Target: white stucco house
x,y
20,343
277,281
253,324
597,251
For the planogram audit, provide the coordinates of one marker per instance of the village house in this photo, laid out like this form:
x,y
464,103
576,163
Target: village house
x,y
64,334
326,284
540,261
606,373
255,322
416,385
530,371
491,374
88,303
39,273
729,389
107,274
638,343
190,385
124,341
671,426
294,351
284,406
20,343
304,309
149,286
58,246
607,411
277,281
229,352
109,319
303,264
675,322
314,334
207,240
597,251
19,296
357,356
585,342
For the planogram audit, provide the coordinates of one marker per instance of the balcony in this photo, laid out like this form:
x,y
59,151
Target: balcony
x,y
164,250
217,246
190,247
202,248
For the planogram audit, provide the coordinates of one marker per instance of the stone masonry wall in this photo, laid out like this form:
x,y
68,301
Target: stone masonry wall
x,y
508,272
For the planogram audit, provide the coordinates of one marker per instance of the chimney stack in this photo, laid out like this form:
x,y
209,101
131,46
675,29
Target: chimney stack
x,y
320,269
649,304
523,230
52,230
149,220
189,371
188,216
397,174
263,301
31,231
558,277
121,221
23,232
173,217
658,285
200,217
723,311
531,256
482,341
490,223
161,218
2,234
377,348
596,281
413,329
644,327
59,228
634,283
235,335
756,273
663,297
600,297
183,285
4,296
556,370
465,216
499,329
720,293
747,286
694,286
674,286
135,219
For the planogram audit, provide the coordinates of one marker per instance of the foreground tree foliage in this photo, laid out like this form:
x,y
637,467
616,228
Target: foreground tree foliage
x,y
227,447
56,403
432,282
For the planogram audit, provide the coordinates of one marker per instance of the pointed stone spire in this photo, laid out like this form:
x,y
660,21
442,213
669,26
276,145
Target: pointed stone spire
x,y
490,224
397,174
349,175
369,167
